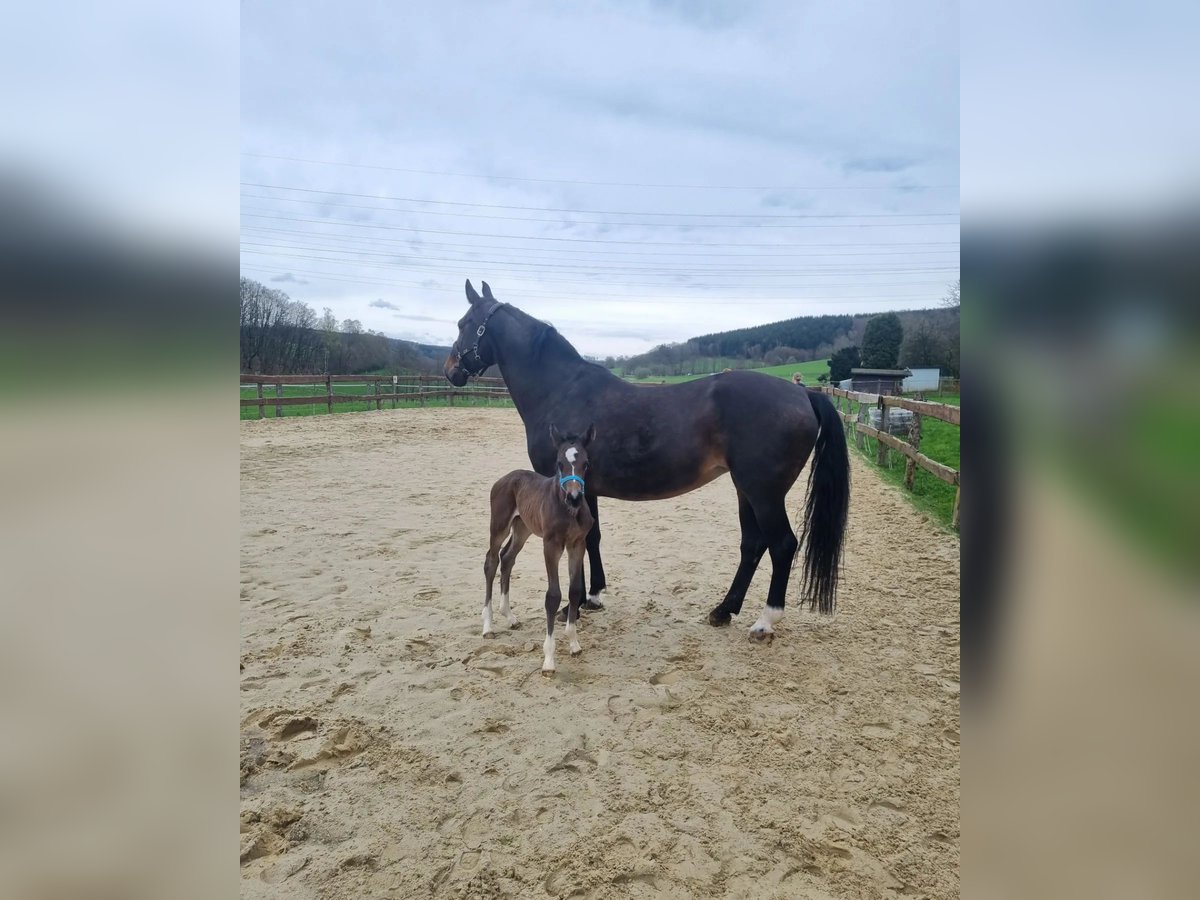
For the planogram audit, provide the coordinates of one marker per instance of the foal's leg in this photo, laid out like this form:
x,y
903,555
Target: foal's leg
x,y
553,550
574,593
502,517
508,556
782,543
598,582
754,545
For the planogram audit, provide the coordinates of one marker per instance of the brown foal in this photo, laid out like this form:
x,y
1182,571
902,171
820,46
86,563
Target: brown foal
x,y
525,503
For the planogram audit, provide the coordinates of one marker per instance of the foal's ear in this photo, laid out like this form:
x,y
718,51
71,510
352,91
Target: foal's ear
x,y
472,294
590,435
487,291
554,435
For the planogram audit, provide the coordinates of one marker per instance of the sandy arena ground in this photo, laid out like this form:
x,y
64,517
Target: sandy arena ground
x,y
388,750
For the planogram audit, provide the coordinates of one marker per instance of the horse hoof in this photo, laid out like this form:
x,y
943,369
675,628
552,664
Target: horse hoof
x,y
719,617
576,651
547,673
590,605
762,637
562,615
489,634
515,623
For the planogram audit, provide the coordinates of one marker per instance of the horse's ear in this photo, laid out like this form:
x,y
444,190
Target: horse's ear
x,y
472,294
487,291
554,435
590,435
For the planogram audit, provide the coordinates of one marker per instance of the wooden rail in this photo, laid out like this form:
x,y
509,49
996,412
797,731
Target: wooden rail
x,y
885,440
418,388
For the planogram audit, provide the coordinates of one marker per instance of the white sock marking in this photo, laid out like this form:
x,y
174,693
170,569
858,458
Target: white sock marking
x,y
770,617
573,639
487,621
548,653
506,612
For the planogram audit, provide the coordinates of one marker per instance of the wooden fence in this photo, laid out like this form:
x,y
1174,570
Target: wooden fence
x,y
910,450
391,389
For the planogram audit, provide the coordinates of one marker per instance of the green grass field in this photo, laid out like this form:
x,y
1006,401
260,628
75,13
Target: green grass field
x,y
940,442
811,371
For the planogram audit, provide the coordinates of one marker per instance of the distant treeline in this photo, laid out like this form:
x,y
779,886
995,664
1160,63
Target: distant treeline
x,y
930,338
282,336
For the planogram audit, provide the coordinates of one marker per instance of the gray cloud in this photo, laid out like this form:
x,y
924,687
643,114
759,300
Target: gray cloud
x,y
383,304
878,164
288,278
832,110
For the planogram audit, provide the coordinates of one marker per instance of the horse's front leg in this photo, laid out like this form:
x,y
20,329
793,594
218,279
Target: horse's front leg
x,y
574,593
554,550
598,582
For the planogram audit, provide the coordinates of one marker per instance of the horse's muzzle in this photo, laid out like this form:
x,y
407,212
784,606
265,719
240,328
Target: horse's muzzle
x,y
455,374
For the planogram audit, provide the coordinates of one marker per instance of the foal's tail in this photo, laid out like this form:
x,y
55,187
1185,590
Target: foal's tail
x,y
826,508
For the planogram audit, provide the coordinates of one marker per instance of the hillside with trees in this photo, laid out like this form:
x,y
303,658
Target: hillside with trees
x,y
914,338
282,336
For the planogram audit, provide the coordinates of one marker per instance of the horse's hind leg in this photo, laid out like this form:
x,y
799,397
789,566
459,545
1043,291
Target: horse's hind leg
x,y
754,545
782,544
508,556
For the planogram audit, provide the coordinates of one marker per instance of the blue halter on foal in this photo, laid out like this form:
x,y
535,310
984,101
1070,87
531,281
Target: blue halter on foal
x,y
562,482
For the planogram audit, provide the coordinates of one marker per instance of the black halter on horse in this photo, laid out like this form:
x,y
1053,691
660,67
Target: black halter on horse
x,y
658,442
479,333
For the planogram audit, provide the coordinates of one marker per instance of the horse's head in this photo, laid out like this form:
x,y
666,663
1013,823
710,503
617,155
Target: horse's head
x,y
572,464
472,353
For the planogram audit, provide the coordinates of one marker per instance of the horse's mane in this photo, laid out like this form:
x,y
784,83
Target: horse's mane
x,y
546,339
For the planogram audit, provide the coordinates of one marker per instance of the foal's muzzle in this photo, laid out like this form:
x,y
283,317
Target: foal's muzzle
x,y
572,487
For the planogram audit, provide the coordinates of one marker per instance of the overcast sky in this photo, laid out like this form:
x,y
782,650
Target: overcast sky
x,y
635,172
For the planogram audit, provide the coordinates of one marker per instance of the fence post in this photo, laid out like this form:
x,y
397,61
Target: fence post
x,y
329,394
910,465
378,399
395,381
859,437
262,409
881,450
954,517
278,396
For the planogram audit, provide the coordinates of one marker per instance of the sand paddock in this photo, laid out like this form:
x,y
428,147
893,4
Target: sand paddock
x,y
390,751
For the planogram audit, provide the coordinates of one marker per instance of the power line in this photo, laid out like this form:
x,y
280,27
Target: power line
x,y
558,251
711,187
261,215
590,212
463,215
588,298
578,267
544,279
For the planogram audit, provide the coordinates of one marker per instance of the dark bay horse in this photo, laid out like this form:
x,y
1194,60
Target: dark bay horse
x,y
658,442
525,503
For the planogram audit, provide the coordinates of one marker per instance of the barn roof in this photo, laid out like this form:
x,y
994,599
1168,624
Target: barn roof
x,y
899,373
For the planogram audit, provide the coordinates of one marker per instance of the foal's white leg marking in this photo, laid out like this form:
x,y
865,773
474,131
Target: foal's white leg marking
x,y
595,599
488,630
507,613
573,639
770,616
548,652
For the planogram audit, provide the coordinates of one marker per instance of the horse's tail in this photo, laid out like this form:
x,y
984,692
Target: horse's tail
x,y
826,508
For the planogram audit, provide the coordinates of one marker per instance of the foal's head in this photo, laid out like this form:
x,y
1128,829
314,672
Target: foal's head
x,y
572,464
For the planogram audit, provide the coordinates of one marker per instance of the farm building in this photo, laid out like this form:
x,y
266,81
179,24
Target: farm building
x,y
878,381
922,380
